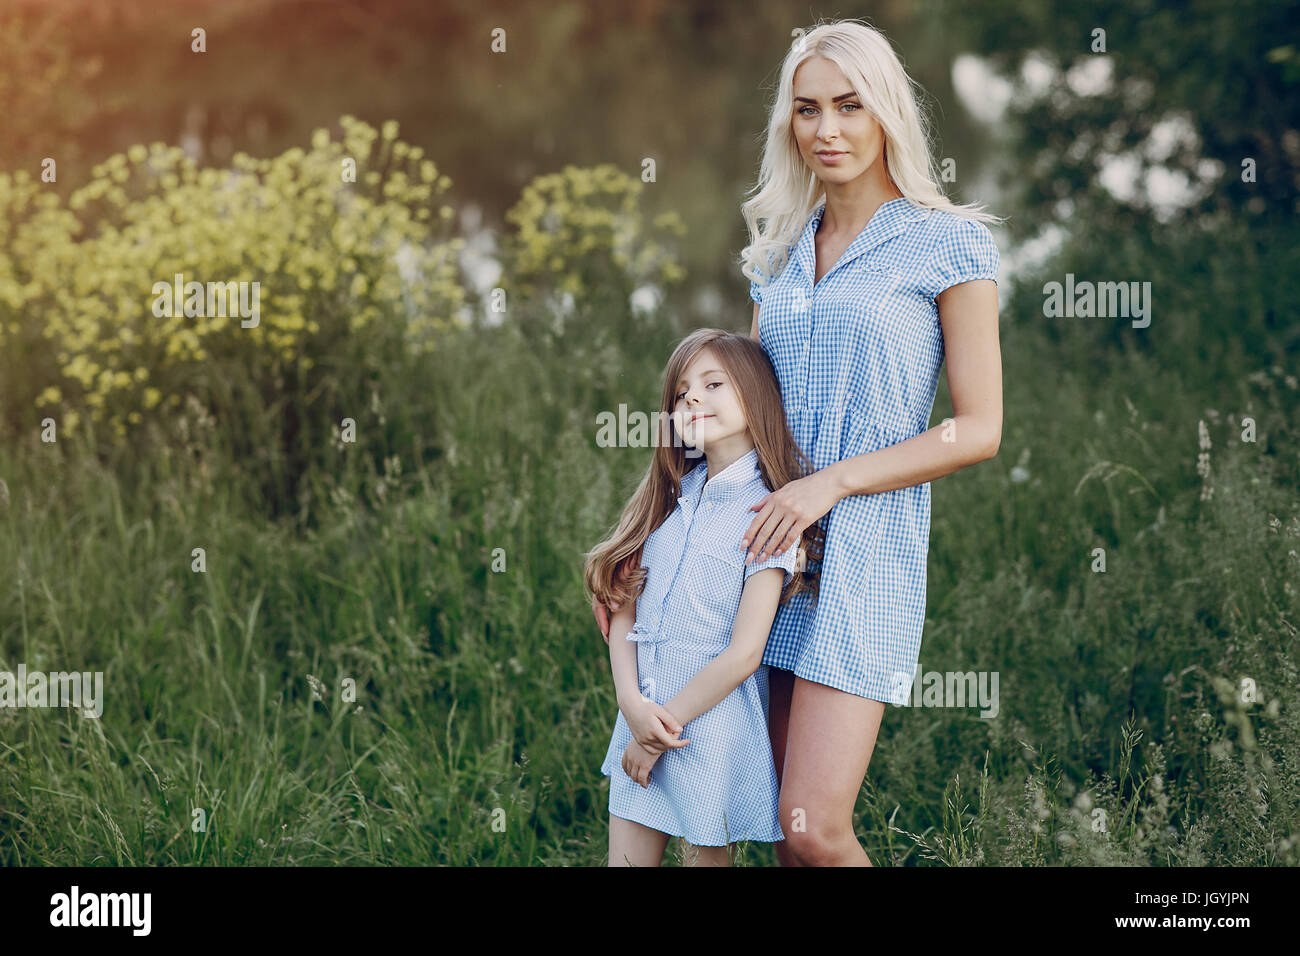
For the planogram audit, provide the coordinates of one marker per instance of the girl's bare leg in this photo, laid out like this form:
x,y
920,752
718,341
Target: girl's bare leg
x,y
707,855
633,844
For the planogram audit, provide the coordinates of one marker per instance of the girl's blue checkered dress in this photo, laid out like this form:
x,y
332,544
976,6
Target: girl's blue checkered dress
x,y
721,787
858,357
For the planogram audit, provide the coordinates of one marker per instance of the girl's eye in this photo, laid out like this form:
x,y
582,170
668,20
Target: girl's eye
x,y
710,385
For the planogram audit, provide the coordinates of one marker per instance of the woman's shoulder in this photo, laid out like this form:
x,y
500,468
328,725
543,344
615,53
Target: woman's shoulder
x,y
943,225
952,231
958,249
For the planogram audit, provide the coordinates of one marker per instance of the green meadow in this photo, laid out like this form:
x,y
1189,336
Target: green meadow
x,y
483,702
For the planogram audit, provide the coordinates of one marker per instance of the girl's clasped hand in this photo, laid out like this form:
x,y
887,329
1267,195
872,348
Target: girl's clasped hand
x,y
654,730
637,762
653,727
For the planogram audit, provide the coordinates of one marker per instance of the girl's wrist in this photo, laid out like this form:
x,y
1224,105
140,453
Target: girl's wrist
x,y
627,700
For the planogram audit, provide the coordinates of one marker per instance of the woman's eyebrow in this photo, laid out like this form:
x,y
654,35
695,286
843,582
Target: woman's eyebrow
x,y
836,99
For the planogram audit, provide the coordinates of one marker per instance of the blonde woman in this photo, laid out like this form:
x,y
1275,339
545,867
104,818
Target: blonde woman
x,y
864,277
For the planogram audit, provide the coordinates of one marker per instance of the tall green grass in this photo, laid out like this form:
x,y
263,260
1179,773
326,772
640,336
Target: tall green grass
x,y
484,703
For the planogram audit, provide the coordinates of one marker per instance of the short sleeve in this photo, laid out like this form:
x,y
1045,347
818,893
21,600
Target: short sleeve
x,y
966,251
756,287
786,561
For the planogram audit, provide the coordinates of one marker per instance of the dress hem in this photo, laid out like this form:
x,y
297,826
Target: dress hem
x,y
682,836
827,683
657,825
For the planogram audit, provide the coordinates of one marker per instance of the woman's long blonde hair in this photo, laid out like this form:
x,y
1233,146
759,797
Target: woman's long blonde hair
x,y
612,573
788,191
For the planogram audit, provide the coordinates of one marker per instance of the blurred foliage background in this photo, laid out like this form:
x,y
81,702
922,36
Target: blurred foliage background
x,y
499,274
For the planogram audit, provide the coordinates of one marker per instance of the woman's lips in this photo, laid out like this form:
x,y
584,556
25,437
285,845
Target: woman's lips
x,y
830,158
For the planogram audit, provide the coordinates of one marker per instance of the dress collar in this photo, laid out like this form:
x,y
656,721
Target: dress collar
x,y
728,483
889,219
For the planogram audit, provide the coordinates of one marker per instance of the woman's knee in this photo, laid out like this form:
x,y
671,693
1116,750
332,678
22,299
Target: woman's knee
x,y
812,837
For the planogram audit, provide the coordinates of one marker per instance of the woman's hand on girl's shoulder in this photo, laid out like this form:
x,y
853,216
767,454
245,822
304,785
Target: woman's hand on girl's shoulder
x,y
785,513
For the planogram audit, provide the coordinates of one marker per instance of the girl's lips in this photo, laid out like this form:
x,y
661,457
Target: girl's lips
x,y
830,157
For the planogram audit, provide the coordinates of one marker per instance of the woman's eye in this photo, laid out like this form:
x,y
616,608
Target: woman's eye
x,y
856,106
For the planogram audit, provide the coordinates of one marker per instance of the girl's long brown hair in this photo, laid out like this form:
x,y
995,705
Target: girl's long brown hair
x,y
612,573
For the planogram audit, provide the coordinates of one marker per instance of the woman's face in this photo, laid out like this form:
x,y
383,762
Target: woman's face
x,y
828,115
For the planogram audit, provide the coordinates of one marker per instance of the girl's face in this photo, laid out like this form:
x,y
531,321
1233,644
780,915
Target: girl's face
x,y
706,409
828,115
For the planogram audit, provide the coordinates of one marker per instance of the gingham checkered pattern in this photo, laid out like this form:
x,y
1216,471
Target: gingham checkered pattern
x,y
858,358
721,787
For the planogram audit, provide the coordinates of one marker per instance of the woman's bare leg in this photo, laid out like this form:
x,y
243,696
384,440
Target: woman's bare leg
x,y
829,739
780,685
633,844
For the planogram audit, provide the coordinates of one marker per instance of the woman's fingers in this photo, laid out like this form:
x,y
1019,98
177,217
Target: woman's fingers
x,y
775,528
764,509
782,539
759,543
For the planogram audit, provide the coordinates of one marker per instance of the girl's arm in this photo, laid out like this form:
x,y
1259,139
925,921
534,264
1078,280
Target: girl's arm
x,y
726,672
622,656
652,726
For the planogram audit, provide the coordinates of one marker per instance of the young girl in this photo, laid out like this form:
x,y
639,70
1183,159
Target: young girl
x,y
690,755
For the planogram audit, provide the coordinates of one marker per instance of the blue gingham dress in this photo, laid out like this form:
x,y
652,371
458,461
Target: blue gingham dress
x,y
721,787
858,357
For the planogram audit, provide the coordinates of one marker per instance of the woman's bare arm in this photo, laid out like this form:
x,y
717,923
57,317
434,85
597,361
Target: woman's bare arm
x,y
969,315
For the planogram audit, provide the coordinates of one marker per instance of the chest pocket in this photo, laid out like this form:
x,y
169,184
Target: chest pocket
x,y
880,278
716,582
893,294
